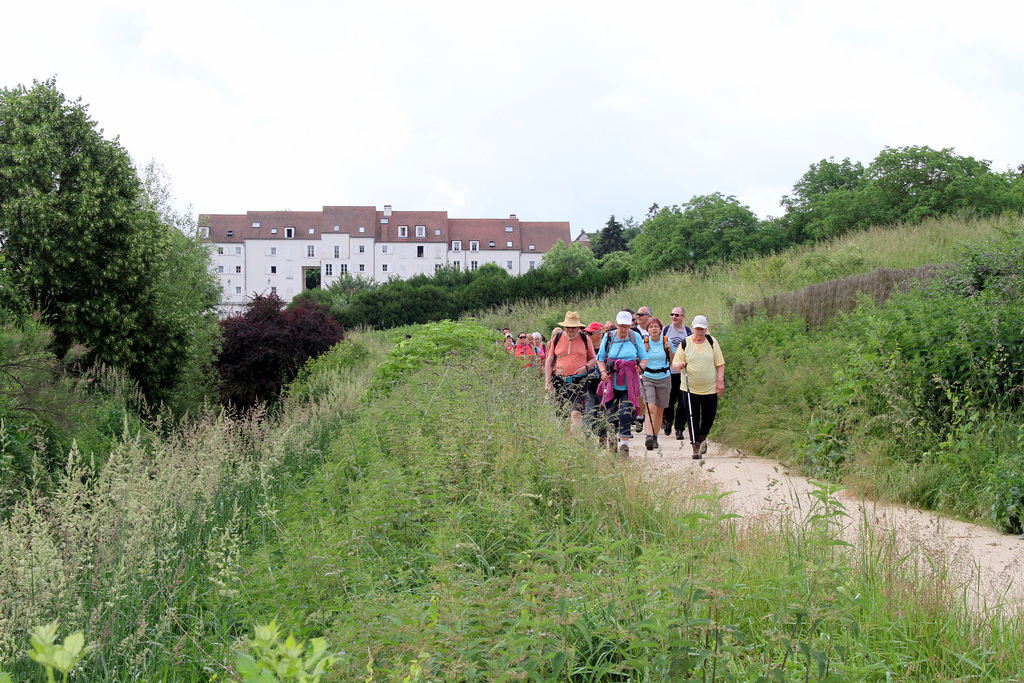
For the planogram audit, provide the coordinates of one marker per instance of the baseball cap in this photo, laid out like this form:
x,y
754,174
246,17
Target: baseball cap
x,y
699,321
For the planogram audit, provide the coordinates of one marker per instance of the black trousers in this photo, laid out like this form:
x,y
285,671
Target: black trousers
x,y
704,408
671,418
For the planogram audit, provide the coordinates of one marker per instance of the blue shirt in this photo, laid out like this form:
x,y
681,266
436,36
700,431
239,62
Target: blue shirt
x,y
621,349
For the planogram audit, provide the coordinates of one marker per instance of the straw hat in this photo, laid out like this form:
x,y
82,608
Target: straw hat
x,y
572,319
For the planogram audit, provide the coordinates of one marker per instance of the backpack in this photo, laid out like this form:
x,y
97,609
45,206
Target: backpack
x,y
708,336
608,343
668,352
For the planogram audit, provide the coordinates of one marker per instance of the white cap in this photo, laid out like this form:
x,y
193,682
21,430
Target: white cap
x,y
699,321
624,318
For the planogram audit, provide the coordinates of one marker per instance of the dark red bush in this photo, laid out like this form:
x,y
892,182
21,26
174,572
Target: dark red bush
x,y
265,346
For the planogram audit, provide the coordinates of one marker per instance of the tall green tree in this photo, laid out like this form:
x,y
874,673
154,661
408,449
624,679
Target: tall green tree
x,y
827,186
84,245
707,229
610,239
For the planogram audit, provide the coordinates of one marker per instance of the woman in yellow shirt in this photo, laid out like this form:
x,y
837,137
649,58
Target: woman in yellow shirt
x,y
701,359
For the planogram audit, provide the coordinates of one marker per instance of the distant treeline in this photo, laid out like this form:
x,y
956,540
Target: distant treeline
x,y
448,294
901,185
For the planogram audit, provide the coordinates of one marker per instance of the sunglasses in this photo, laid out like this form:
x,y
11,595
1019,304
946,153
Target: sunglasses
x,y
522,336
676,315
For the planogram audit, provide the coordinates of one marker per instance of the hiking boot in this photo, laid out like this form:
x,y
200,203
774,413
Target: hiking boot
x,y
696,451
703,447
649,442
624,450
667,426
656,444
679,435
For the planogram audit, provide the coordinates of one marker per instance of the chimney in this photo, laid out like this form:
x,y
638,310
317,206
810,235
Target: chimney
x,y
512,217
387,211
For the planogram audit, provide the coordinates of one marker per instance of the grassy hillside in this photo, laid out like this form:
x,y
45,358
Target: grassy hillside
x,y
416,502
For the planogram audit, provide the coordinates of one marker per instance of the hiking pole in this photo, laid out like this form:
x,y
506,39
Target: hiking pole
x,y
689,410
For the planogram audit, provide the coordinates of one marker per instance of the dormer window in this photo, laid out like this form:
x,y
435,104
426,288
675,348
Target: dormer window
x,y
204,232
255,225
508,228
289,233
491,244
421,231
403,231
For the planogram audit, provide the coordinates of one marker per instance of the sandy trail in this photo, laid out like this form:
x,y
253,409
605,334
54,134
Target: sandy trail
x,y
985,563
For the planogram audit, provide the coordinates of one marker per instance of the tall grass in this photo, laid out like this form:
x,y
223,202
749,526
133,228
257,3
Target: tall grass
x,y
456,532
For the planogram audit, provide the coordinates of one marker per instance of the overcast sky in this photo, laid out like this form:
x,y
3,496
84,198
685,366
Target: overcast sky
x,y
550,110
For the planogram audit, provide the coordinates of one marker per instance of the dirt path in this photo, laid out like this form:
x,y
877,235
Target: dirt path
x,y
987,564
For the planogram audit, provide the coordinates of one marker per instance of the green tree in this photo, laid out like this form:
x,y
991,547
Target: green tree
x,y
610,239
707,229
575,259
83,243
183,329
912,183
827,186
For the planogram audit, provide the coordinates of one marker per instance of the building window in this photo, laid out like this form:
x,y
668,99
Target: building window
x,y
204,232
383,248
220,269
384,268
362,248
456,245
238,269
273,231
508,228
343,269
270,251
255,225
508,244
362,267
311,251
312,231
532,247
419,251
289,233
273,290
362,228
238,251
337,228
491,244
403,231
437,267
474,246
328,269
272,270
533,264
383,220
421,231
220,250
472,265
437,232
231,233
458,265
508,264
337,251
238,290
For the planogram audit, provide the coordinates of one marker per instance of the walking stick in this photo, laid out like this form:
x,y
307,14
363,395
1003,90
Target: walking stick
x,y
689,409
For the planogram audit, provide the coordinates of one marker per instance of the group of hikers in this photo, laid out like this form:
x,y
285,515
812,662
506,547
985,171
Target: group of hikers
x,y
606,377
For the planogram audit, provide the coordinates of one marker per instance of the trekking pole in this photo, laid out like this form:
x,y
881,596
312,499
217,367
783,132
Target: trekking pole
x,y
689,408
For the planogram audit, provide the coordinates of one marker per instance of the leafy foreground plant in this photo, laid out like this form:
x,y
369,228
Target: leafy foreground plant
x,y
270,658
457,534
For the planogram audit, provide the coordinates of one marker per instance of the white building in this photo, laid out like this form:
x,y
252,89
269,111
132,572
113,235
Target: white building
x,y
260,252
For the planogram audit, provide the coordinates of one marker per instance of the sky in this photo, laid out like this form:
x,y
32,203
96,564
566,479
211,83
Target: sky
x,y
553,111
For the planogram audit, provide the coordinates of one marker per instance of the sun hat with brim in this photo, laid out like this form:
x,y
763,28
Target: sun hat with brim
x,y
699,321
595,327
572,319
624,318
